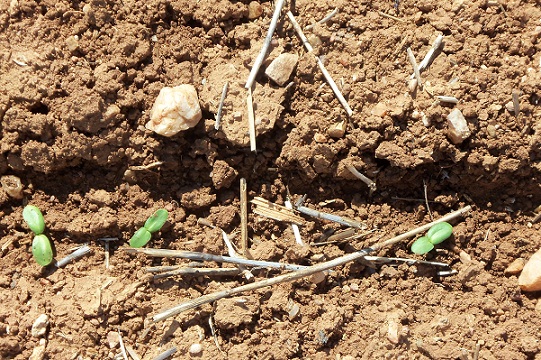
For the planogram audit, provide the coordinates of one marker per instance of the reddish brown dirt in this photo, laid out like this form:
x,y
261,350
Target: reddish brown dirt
x,y
77,80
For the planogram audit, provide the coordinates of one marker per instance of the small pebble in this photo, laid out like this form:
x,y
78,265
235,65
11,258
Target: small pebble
x,y
392,331
175,109
458,127
113,339
318,278
380,110
196,349
39,328
530,278
281,68
515,267
254,10
39,351
337,130
12,186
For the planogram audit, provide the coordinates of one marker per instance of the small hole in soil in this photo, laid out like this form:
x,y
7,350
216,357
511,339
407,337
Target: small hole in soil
x,y
39,108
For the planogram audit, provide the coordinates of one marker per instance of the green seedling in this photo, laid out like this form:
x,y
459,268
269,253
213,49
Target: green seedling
x,y
34,219
435,235
42,250
156,221
152,225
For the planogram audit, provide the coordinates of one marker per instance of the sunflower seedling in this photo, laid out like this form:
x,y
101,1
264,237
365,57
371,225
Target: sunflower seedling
x,y
42,249
152,225
435,235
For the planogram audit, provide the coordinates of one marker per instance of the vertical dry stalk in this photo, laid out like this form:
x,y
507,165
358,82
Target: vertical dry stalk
x,y
244,217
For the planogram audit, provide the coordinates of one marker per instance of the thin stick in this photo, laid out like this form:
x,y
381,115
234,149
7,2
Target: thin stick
x,y
208,298
413,63
122,348
326,74
447,99
80,252
167,353
330,217
427,60
244,217
426,201
198,272
132,353
325,19
391,16
220,107
294,227
516,103
380,259
192,255
213,333
265,48
146,167
251,120
371,184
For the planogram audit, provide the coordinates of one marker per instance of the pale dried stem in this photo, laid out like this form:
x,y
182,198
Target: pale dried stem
x,y
326,74
221,106
266,43
205,299
251,120
192,255
413,63
244,217
370,183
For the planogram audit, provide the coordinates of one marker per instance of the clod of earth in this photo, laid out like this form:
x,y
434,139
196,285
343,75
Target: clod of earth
x,y
175,109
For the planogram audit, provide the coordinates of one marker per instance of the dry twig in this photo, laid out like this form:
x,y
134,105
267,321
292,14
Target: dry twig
x,y
208,298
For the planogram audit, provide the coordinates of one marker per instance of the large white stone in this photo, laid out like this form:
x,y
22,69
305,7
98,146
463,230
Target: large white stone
x,y
458,127
175,109
39,328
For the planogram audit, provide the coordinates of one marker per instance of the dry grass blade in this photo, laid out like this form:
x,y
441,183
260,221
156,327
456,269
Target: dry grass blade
x,y
198,272
274,211
205,299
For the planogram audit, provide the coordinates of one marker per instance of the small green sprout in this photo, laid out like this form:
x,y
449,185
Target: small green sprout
x,y
152,225
435,235
34,219
42,249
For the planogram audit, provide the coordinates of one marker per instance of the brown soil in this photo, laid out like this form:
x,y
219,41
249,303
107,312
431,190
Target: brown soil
x,y
77,81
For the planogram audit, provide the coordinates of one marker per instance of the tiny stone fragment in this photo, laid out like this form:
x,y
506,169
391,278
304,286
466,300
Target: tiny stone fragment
x,y
337,130
281,68
530,278
318,278
175,109
113,339
39,351
515,267
40,326
458,127
381,109
392,330
254,10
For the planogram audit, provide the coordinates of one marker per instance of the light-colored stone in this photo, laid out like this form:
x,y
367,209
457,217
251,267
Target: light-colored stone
x,y
113,339
458,127
175,109
195,349
380,109
39,351
530,278
281,68
254,10
39,328
515,267
337,130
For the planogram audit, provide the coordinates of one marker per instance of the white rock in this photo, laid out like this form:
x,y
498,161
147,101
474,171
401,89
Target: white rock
x,y
530,278
40,326
281,68
196,349
113,339
458,127
175,109
39,351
